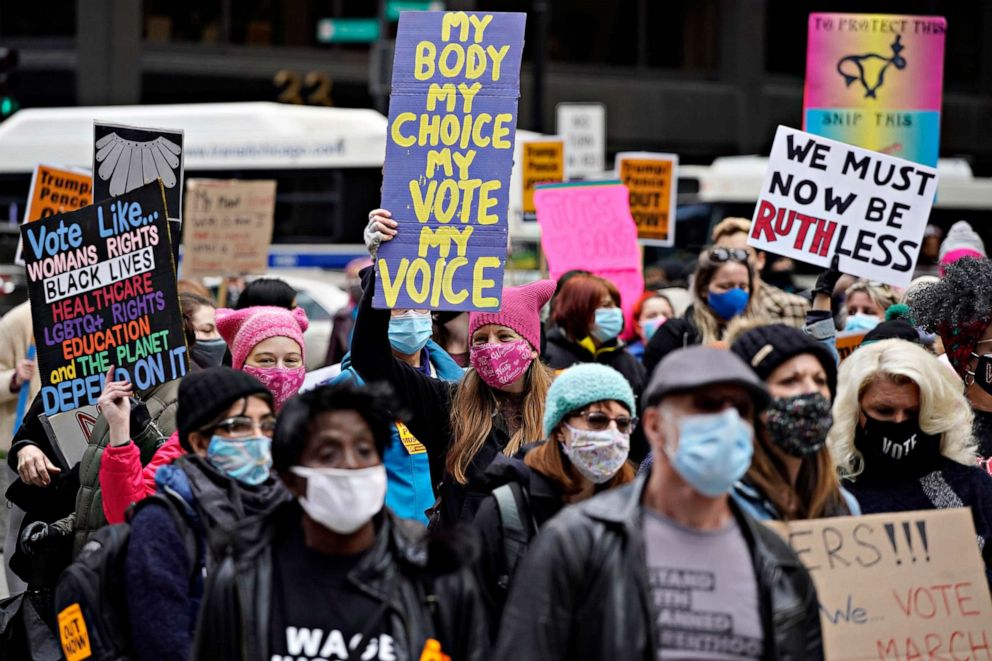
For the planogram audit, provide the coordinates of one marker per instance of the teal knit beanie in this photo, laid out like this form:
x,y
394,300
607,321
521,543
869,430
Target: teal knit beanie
x,y
581,385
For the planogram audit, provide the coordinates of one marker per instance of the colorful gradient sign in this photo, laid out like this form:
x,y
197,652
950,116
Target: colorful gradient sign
x,y
876,81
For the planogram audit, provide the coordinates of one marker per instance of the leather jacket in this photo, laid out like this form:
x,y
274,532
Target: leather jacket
x,y
582,590
426,601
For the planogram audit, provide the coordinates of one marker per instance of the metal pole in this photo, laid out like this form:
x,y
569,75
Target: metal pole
x,y
540,14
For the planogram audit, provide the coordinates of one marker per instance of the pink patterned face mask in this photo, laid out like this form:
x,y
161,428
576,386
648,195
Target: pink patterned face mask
x,y
282,382
501,363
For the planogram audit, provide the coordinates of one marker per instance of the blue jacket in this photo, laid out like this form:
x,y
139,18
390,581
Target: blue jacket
x,y
408,472
751,501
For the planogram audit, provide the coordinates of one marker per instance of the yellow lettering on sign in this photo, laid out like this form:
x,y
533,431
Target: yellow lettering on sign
x,y
72,632
410,442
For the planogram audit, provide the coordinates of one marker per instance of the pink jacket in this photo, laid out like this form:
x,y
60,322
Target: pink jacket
x,y
124,482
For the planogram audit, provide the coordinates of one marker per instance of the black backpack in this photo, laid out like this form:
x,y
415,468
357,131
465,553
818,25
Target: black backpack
x,y
89,598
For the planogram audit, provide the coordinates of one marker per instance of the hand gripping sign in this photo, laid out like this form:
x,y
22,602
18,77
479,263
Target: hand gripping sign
x,y
449,152
823,198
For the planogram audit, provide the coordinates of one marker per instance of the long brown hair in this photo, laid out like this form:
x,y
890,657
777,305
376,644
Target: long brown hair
x,y
474,406
548,460
817,491
710,326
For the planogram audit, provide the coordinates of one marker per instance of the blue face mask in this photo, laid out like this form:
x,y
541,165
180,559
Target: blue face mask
x,y
651,326
247,460
409,332
714,451
861,322
609,323
729,304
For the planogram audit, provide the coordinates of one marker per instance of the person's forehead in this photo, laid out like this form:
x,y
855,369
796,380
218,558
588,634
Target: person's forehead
x,y
734,240
337,425
709,391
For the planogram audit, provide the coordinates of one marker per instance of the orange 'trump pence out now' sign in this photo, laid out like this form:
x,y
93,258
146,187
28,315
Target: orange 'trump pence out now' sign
x,y
897,586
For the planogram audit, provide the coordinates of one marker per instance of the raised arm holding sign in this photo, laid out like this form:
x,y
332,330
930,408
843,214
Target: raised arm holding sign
x,y
822,198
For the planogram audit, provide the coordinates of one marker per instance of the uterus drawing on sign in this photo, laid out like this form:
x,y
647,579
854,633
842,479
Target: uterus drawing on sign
x,y
870,69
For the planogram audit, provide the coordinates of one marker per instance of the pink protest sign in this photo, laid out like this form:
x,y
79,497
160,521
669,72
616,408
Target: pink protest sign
x,y
588,226
876,81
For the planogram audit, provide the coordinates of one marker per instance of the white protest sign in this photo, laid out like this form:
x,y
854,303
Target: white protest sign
x,y
583,126
822,197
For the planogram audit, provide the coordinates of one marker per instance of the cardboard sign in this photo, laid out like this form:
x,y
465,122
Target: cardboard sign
x,y
449,152
227,227
543,163
653,183
847,342
822,198
583,127
103,292
588,226
128,157
876,81
70,433
73,634
903,585
55,190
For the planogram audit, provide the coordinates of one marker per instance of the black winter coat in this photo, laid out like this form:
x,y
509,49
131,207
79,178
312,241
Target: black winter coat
x,y
582,593
426,600
562,352
673,334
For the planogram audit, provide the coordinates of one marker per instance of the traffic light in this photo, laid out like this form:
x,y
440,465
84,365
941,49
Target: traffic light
x,y
8,102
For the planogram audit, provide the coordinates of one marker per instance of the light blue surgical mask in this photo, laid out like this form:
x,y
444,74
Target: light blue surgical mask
x,y
861,322
609,323
247,460
714,451
730,303
409,332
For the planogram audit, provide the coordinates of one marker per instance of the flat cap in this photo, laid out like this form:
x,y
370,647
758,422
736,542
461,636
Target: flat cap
x,y
694,368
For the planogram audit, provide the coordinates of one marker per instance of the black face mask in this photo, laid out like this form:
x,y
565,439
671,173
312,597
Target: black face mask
x,y
208,353
896,449
983,372
799,425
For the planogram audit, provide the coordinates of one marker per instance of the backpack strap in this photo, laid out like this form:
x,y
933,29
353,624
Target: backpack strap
x,y
516,534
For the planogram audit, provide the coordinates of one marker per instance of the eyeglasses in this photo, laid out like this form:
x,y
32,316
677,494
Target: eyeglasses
x,y
242,426
599,421
720,255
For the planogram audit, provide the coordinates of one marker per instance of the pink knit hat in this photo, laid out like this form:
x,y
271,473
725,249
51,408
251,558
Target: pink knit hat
x,y
243,329
521,311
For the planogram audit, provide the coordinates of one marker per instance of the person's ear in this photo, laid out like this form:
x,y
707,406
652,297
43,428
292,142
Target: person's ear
x,y
533,354
651,421
199,443
294,483
759,260
558,435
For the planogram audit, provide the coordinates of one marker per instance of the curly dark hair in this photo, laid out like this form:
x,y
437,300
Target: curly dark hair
x,y
958,308
373,402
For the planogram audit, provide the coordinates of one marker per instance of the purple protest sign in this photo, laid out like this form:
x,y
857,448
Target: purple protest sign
x,y
449,152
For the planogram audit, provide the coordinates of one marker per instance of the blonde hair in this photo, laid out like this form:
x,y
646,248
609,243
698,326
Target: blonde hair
x,y
711,328
729,227
943,407
881,295
474,406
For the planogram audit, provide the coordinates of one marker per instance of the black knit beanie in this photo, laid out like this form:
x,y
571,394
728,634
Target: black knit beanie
x,y
206,394
766,347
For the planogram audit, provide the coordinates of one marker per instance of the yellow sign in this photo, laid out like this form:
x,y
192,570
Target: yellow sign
x,y
847,343
72,632
543,163
410,442
432,652
651,179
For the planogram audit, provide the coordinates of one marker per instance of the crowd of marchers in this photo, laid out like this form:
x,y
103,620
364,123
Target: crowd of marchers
x,y
516,484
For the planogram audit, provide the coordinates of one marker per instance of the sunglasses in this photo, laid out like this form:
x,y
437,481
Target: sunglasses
x,y
242,426
720,255
599,421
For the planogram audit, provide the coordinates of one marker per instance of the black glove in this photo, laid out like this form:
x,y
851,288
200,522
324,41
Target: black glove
x,y
827,279
38,536
139,417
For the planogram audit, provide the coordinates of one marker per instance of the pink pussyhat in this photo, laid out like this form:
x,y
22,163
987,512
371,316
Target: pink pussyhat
x,y
521,311
244,329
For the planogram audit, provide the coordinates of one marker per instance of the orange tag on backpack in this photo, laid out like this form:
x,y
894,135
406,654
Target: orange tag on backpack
x,y
410,442
432,652
72,632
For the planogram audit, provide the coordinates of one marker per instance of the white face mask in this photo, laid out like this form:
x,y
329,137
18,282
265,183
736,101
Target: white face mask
x,y
341,499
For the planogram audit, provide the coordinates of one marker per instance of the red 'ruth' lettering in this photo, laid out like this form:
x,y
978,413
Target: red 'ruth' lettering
x,y
823,237
763,223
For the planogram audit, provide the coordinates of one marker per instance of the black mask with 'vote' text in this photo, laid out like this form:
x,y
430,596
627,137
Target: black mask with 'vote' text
x,y
896,449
